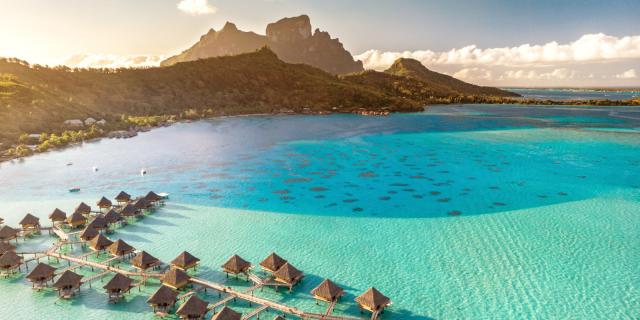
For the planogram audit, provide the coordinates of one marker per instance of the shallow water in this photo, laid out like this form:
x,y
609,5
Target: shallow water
x,y
458,212
575,94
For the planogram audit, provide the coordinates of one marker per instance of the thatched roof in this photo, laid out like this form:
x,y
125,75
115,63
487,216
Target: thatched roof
x,y
372,299
119,283
143,260
77,218
68,279
175,278
9,260
58,215
29,220
288,273
83,208
273,262
123,197
152,196
8,233
185,260
100,242
227,314
99,222
104,203
194,307
141,203
236,264
112,216
128,211
120,248
41,272
279,317
165,296
5,246
327,290
89,233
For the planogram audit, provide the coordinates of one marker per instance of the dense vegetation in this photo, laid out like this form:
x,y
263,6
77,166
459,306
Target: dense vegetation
x,y
38,100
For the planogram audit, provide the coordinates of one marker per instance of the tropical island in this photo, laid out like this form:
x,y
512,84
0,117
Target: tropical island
x,y
227,73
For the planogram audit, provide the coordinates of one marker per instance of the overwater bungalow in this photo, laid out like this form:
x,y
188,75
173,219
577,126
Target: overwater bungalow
x,y
104,204
76,220
144,261
112,217
88,234
1,221
327,291
193,309
227,314
129,211
68,284
142,204
41,275
99,223
7,234
273,262
372,300
163,299
6,247
83,209
100,243
57,216
288,275
153,198
236,265
30,223
175,278
117,287
185,261
9,262
120,248
123,198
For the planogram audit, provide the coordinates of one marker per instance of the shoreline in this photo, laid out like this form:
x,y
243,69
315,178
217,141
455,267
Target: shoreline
x,y
134,130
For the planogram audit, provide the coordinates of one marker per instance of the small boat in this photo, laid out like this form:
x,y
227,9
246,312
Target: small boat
x,y
69,164
73,190
95,169
143,171
163,195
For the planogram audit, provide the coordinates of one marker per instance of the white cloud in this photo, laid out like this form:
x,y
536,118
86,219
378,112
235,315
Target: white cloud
x,y
629,74
556,74
473,74
196,7
112,61
589,48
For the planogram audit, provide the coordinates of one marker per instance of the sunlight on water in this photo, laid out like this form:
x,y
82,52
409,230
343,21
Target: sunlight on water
x,y
458,212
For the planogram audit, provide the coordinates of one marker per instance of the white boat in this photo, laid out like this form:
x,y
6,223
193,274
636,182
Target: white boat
x,y
95,169
143,171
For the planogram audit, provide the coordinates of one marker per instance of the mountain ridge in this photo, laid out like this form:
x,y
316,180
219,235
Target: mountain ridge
x,y
290,38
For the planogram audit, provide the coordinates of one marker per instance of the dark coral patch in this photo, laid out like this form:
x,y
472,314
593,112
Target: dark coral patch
x,y
297,180
454,213
384,198
283,191
444,199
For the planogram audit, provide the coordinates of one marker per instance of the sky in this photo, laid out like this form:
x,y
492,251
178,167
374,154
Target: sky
x,y
488,42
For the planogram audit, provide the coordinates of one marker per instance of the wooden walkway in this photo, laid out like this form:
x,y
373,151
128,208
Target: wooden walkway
x,y
246,295
255,312
264,302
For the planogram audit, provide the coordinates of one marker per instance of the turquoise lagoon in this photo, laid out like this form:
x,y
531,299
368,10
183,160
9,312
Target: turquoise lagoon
x,y
459,212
